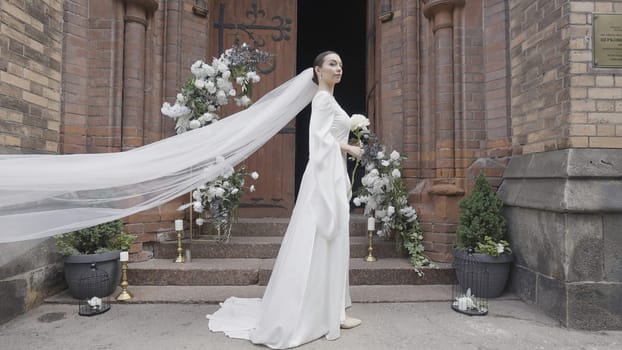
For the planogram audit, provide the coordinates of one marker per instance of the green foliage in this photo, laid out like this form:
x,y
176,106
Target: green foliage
x,y
493,248
97,239
481,225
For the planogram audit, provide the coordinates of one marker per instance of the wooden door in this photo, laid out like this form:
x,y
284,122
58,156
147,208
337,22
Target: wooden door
x,y
270,25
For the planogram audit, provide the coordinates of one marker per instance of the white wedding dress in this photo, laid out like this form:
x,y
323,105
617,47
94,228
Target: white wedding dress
x,y
308,291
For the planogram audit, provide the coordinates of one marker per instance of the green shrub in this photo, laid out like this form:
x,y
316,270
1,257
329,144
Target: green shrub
x,y
481,226
97,239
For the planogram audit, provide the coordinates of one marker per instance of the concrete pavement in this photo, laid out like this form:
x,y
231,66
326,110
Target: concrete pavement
x,y
510,324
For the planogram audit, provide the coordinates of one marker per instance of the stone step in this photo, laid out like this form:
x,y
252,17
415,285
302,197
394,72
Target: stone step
x,y
250,271
265,247
278,226
217,294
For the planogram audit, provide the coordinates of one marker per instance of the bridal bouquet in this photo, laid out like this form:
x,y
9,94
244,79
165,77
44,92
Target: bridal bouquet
x,y
384,195
210,87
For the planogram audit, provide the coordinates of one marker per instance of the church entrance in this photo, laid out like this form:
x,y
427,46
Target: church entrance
x,y
295,31
338,26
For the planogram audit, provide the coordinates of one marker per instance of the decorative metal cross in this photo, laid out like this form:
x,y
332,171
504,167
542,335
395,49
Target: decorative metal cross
x,y
282,28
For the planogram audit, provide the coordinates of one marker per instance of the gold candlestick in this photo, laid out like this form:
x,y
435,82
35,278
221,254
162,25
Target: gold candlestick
x,y
370,249
125,295
180,257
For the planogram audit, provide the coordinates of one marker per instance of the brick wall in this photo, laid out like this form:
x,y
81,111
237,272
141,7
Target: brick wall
x,y
30,75
594,120
559,100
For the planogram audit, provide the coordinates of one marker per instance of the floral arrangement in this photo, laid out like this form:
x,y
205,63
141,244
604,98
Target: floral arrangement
x,y
384,194
211,86
220,198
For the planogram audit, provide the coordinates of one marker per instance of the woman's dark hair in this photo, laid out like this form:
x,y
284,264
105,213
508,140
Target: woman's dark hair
x,y
319,61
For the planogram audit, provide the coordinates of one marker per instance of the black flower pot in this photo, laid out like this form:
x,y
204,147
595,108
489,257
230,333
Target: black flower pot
x,y
77,266
493,271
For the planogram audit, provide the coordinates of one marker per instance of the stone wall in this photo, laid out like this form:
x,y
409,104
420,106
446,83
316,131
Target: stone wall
x,y
30,122
562,195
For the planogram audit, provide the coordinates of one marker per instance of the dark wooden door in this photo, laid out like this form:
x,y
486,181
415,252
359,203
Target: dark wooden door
x,y
270,25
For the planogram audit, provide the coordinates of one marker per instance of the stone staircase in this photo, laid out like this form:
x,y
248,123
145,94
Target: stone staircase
x,y
247,260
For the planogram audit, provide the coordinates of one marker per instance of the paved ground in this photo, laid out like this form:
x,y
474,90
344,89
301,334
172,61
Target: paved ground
x,y
511,324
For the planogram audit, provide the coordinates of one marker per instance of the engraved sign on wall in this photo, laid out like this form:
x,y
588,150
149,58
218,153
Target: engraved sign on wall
x,y
607,40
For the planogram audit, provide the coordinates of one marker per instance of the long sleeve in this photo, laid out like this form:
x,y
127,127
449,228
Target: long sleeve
x,y
330,204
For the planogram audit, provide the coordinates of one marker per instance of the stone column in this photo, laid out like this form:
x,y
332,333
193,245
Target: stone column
x,y
136,14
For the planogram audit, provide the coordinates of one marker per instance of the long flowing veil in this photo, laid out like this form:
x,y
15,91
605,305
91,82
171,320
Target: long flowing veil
x,y
43,195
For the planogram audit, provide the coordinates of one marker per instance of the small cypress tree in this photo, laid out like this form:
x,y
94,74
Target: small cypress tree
x,y
480,217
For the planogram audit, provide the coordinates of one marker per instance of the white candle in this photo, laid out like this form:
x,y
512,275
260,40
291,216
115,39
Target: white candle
x,y
125,256
371,224
179,225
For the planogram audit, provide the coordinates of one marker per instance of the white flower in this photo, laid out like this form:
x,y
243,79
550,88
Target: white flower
x,y
211,108
385,163
380,155
358,122
395,155
252,188
210,87
390,210
243,101
199,83
240,80
198,69
396,173
234,191
255,175
252,76
232,92
180,99
194,124
374,173
226,184
357,201
500,248
198,207
209,70
196,195
219,191
206,117
199,221
174,111
226,74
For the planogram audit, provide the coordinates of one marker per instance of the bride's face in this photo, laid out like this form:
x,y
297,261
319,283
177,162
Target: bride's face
x,y
331,70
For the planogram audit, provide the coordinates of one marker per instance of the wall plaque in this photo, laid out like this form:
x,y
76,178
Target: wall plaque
x,y
607,30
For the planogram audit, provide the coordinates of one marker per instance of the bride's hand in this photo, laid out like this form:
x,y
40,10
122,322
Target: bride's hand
x,y
355,151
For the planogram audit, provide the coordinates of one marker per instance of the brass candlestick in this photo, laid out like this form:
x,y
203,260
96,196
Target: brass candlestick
x,y
180,257
125,295
370,249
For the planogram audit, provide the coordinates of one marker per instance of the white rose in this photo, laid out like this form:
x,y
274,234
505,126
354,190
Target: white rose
x,y
234,191
385,163
390,210
243,101
252,76
226,74
197,69
380,155
232,92
209,70
198,207
200,221
252,188
358,121
255,175
194,124
180,99
199,83
357,201
396,173
219,191
395,155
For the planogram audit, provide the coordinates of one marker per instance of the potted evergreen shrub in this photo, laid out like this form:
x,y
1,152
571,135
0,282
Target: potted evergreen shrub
x,y
99,245
481,232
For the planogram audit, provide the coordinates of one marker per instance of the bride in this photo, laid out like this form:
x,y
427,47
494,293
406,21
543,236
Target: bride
x,y
308,290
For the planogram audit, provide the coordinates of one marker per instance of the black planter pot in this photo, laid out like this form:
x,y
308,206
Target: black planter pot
x,y
77,266
496,269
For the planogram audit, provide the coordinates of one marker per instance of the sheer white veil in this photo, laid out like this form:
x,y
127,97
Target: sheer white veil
x,y
43,195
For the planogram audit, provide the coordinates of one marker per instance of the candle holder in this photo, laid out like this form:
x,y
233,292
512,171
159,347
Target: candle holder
x,y
180,257
370,249
125,295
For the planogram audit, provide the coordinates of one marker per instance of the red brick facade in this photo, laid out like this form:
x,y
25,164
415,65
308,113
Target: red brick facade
x,y
458,86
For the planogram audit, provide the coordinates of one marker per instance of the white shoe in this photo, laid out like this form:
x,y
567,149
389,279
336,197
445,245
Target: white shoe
x,y
350,322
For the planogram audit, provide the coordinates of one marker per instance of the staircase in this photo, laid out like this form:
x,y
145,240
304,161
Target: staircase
x,y
244,264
